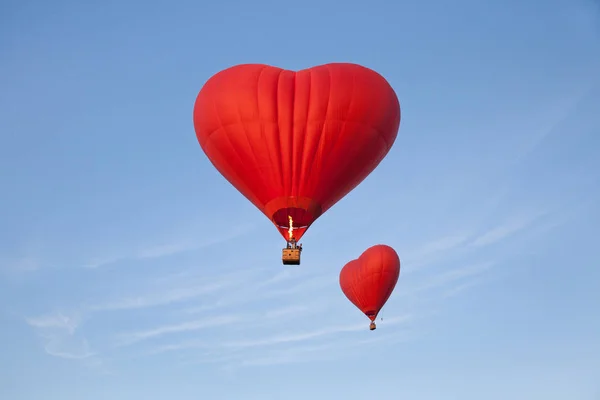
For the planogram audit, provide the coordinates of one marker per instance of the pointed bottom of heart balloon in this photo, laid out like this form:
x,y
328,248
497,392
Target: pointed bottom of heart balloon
x,y
372,315
297,232
299,212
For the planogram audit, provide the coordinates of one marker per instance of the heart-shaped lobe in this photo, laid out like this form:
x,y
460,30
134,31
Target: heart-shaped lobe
x,y
295,143
369,280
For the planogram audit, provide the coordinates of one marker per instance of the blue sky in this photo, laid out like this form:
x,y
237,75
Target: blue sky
x,y
130,269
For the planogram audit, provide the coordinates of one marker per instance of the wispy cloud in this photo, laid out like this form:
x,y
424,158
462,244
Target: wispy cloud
x,y
503,231
318,333
286,312
258,316
440,245
60,346
449,281
310,284
62,334
433,250
56,320
552,119
333,349
283,348
59,334
242,333
153,299
461,287
178,288
168,249
438,250
134,337
259,289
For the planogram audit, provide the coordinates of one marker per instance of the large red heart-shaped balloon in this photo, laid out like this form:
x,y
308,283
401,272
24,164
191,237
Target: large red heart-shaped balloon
x,y
369,280
295,143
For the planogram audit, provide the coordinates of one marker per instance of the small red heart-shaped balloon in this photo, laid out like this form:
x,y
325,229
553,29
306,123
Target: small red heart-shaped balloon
x,y
369,280
295,143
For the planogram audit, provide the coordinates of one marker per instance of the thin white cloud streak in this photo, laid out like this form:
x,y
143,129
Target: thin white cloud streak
x,y
304,354
178,288
299,337
320,354
440,245
432,251
442,280
212,357
305,286
553,118
248,321
296,337
452,275
333,348
506,230
285,312
454,291
163,250
68,348
56,320
441,248
134,337
283,276
170,296
284,349
183,345
256,290
280,339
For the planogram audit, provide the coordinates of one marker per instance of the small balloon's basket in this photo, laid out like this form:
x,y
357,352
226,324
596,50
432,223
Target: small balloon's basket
x,y
290,256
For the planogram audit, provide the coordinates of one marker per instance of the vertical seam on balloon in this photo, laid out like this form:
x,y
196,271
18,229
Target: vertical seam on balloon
x,y
359,295
381,274
302,179
264,139
371,279
278,139
371,166
337,139
303,160
322,129
355,293
224,128
257,167
292,143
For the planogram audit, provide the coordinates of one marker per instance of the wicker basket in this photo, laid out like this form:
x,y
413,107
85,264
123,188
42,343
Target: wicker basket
x,y
290,256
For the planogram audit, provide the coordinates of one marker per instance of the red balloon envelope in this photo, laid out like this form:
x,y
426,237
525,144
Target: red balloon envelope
x,y
295,143
369,280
